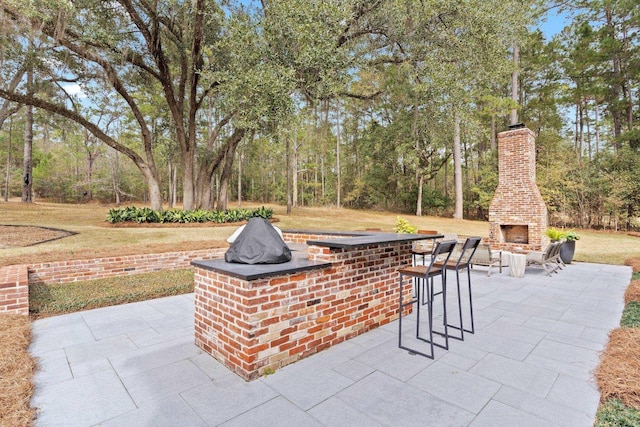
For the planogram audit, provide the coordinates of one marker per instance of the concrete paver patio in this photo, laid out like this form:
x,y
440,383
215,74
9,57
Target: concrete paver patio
x,y
530,362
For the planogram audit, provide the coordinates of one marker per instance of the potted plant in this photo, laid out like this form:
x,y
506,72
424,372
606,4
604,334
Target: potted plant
x,y
568,249
569,236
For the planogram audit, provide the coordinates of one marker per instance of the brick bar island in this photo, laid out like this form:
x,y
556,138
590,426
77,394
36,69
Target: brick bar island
x,y
257,318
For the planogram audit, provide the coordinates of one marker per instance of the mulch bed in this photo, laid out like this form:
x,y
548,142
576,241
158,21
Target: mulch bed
x,y
16,370
618,375
634,263
619,368
13,236
633,292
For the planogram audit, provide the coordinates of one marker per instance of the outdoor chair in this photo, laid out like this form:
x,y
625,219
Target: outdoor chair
x,y
547,259
486,257
423,295
462,262
557,260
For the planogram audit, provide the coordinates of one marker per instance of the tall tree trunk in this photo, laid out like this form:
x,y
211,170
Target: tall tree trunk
x,y
494,144
416,147
172,188
155,195
240,179
210,163
338,166
597,126
188,189
581,128
225,177
419,202
615,88
27,164
295,170
457,168
287,168
514,85
6,179
589,148
115,177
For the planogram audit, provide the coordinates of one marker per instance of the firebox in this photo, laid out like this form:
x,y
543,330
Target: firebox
x,y
515,233
517,213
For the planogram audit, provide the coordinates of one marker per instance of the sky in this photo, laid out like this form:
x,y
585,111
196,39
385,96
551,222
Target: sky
x,y
554,24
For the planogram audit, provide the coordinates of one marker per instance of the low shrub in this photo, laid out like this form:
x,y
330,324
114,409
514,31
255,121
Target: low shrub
x,y
631,315
615,413
148,215
403,226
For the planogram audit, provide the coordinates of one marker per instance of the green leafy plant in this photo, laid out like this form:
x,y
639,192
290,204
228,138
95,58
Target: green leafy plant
x,y
615,413
555,234
571,235
148,215
403,226
631,315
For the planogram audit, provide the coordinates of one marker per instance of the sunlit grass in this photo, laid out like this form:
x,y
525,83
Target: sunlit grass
x,y
96,238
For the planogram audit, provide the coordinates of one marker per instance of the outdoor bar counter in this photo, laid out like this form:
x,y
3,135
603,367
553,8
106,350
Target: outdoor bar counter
x,y
257,318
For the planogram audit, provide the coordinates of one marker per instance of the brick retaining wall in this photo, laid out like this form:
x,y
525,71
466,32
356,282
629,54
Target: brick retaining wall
x,y
15,279
14,289
100,268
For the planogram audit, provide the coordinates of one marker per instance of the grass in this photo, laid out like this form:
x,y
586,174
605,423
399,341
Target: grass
x,y
54,299
88,220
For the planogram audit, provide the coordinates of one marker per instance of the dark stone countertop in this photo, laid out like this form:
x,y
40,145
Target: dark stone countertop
x,y
371,239
260,271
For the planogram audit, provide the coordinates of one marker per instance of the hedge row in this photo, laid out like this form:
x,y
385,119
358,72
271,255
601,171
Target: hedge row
x,y
148,215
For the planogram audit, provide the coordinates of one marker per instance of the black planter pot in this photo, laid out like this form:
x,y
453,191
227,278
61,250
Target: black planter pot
x,y
567,250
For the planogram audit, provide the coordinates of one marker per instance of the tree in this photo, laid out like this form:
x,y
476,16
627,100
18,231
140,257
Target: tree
x,y
134,49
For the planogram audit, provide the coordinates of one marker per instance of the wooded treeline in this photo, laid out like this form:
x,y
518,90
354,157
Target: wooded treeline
x,y
377,104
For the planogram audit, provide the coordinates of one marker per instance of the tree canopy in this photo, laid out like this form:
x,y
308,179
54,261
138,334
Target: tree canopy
x,y
391,104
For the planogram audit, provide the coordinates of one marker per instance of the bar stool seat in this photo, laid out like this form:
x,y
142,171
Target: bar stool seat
x,y
424,295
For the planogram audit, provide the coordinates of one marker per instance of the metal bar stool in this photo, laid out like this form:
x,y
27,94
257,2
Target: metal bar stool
x,y
424,275
462,262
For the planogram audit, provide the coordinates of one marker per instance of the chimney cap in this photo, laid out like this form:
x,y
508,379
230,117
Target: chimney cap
x,y
516,126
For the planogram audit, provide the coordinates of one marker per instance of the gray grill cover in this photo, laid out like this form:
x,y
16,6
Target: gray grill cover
x,y
259,243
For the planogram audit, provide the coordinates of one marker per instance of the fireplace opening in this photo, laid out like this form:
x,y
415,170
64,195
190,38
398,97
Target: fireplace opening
x,y
515,233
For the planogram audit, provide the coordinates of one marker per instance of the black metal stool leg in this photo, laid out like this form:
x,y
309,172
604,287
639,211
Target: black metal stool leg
x,y
443,292
460,322
473,328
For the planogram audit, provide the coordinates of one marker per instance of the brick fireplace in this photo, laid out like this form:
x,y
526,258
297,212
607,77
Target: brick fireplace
x,y
517,213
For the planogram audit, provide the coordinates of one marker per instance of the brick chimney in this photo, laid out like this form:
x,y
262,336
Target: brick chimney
x,y
517,213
